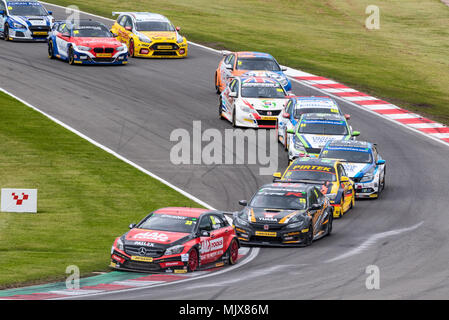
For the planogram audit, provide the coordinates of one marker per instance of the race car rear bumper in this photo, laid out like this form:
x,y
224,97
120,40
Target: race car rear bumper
x,y
145,50
366,190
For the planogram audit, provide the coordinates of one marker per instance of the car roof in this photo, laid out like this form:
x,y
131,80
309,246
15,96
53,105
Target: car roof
x,y
182,211
253,54
315,162
349,143
250,79
287,186
316,102
149,16
322,116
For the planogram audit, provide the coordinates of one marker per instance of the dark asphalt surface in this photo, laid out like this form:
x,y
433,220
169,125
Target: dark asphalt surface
x,y
133,109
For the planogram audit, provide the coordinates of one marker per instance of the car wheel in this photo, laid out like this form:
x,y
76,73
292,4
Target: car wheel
x,y
233,252
131,48
285,140
330,222
50,50
220,108
193,262
71,56
6,33
217,87
309,236
234,124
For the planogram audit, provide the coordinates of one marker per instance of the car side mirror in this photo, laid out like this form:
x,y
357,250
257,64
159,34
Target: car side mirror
x,y
380,162
178,29
290,130
2,12
286,115
115,35
284,68
128,28
243,203
50,13
344,179
347,116
355,133
316,206
228,66
277,175
132,226
233,94
205,233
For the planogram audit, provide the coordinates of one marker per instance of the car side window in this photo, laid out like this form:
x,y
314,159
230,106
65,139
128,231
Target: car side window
x,y
121,21
375,154
227,59
312,198
128,22
217,222
288,107
206,223
342,171
2,6
232,60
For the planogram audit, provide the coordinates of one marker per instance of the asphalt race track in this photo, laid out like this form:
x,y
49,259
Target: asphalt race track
x,y
133,109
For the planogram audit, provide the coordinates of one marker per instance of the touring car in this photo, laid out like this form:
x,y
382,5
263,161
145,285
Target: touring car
x,y
329,175
149,35
236,64
363,164
85,42
176,240
253,102
313,130
298,106
284,214
25,20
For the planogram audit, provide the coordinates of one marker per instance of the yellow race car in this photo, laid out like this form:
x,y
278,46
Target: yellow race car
x,y
327,174
149,35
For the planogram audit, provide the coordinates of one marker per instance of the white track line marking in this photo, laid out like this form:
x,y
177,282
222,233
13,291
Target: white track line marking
x,y
372,240
136,283
75,292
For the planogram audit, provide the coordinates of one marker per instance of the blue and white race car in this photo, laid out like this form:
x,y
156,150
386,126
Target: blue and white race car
x,y
297,106
362,163
25,20
314,130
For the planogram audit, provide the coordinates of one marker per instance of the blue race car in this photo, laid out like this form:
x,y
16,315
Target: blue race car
x,y
25,20
362,163
297,106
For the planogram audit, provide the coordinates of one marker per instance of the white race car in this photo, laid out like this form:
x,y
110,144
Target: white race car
x,y
296,107
253,102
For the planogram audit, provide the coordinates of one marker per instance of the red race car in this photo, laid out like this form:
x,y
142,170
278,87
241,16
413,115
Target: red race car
x,y
176,240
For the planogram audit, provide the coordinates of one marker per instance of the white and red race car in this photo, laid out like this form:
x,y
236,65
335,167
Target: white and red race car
x,y
253,102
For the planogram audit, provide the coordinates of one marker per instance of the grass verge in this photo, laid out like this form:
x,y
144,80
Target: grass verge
x,y
86,197
404,62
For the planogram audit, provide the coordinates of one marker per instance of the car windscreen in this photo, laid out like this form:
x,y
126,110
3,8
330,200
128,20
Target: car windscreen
x,y
300,111
91,32
166,222
154,26
26,9
273,199
310,172
329,127
357,155
262,91
257,64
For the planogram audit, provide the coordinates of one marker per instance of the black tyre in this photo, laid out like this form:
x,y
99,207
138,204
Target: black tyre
x,y
50,50
71,56
309,236
233,252
220,108
330,223
131,48
6,33
234,124
217,88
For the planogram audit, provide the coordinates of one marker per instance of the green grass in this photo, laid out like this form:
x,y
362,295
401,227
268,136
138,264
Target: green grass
x,y
86,198
405,62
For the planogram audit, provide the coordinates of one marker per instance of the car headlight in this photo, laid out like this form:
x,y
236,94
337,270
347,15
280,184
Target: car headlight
x,y
120,245
180,39
144,38
367,177
296,225
245,109
174,250
122,48
241,221
83,48
17,25
299,146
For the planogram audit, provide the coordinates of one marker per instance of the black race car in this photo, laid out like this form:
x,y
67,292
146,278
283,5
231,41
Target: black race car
x,y
284,214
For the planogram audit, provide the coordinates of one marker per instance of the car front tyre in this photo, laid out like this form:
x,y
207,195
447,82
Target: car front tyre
x,y
193,262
